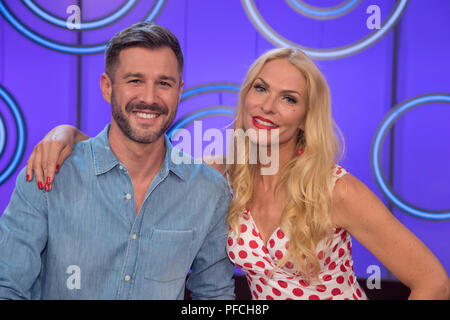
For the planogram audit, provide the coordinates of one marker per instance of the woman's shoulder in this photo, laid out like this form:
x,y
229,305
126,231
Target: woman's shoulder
x,y
349,196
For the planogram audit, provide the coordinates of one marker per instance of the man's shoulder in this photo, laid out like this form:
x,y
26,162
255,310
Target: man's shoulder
x,y
81,152
203,177
77,165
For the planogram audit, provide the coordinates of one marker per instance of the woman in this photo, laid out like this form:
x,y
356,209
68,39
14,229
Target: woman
x,y
290,231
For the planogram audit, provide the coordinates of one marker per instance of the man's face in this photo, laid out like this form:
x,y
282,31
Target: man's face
x,y
145,93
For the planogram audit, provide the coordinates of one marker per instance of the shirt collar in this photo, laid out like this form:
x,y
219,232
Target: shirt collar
x,y
104,159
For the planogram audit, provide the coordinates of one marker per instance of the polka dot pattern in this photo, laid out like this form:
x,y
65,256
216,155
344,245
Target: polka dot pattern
x,y
336,279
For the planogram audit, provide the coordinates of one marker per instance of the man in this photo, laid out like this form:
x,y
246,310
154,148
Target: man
x,y
122,220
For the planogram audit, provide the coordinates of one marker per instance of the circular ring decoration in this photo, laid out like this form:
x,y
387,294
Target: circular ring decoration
x,y
377,144
323,13
210,87
323,54
204,112
89,25
21,134
200,114
2,136
61,47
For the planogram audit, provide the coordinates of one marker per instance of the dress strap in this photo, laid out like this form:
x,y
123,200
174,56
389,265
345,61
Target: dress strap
x,y
338,172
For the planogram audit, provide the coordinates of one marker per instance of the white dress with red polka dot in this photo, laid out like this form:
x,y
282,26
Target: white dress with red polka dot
x,y
336,279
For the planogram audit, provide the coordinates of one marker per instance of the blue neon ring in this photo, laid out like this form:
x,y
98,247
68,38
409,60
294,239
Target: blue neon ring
x,y
83,25
71,49
377,144
202,113
323,13
2,136
212,87
202,89
21,134
323,54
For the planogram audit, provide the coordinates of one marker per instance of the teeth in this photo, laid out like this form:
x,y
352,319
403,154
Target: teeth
x,y
146,115
264,123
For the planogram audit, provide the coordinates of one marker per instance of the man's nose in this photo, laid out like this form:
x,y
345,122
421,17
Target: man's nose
x,y
149,94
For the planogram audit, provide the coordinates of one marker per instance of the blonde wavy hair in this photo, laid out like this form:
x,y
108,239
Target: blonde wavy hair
x,y
306,179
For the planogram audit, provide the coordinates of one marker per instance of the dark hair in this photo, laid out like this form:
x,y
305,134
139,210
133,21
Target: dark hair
x,y
142,34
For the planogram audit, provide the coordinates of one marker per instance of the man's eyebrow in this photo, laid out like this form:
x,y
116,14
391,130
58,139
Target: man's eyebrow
x,y
170,78
133,75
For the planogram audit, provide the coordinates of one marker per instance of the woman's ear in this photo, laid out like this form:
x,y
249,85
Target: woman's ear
x,y
106,87
302,126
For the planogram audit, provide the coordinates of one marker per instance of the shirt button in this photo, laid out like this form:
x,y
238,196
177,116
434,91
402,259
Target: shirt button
x,y
120,167
133,236
127,278
128,196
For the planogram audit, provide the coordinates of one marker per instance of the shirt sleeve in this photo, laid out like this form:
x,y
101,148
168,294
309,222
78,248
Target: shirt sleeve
x,y
23,237
212,270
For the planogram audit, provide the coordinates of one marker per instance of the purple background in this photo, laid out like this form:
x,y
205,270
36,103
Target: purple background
x,y
219,43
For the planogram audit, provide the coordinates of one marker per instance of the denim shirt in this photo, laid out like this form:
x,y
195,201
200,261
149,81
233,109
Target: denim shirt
x,y
83,239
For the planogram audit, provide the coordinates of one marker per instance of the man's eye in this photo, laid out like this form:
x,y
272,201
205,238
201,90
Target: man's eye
x,y
134,81
165,84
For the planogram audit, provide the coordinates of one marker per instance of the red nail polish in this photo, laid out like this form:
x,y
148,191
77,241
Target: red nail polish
x,y
47,187
57,168
40,185
28,177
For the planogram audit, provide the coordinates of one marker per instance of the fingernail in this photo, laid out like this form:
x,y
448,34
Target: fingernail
x,y
40,185
48,180
47,187
28,177
57,168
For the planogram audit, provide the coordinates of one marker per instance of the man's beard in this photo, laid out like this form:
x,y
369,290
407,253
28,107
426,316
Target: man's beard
x,y
123,121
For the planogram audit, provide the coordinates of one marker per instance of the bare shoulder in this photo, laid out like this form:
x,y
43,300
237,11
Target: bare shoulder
x,y
216,162
352,202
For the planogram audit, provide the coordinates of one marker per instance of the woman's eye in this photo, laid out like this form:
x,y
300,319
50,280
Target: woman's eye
x,y
259,88
290,100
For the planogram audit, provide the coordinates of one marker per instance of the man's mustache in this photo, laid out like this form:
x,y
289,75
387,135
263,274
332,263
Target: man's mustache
x,y
143,106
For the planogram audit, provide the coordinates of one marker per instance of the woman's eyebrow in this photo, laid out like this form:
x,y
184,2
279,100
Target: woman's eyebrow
x,y
284,91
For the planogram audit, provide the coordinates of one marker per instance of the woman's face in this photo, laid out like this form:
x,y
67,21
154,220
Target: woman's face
x,y
276,100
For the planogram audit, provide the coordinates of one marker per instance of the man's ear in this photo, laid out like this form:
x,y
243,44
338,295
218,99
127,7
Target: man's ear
x,y
106,86
180,90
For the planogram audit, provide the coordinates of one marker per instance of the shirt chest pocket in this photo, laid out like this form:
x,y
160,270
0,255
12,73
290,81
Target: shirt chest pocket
x,y
168,254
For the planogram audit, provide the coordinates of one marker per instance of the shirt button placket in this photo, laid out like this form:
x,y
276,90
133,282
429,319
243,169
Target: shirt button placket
x,y
126,277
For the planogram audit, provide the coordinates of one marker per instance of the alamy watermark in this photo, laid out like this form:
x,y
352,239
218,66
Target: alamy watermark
x,y
262,150
74,20
374,280
74,280
374,20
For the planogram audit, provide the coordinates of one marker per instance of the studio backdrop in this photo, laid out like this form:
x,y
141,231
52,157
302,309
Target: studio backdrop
x,y
387,63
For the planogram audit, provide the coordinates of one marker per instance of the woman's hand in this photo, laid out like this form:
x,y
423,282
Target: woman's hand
x,y
49,154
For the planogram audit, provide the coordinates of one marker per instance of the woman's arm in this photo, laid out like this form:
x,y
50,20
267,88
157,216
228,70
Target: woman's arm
x,y
49,154
361,213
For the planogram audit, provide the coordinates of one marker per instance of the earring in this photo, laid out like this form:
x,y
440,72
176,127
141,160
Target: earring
x,y
299,151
